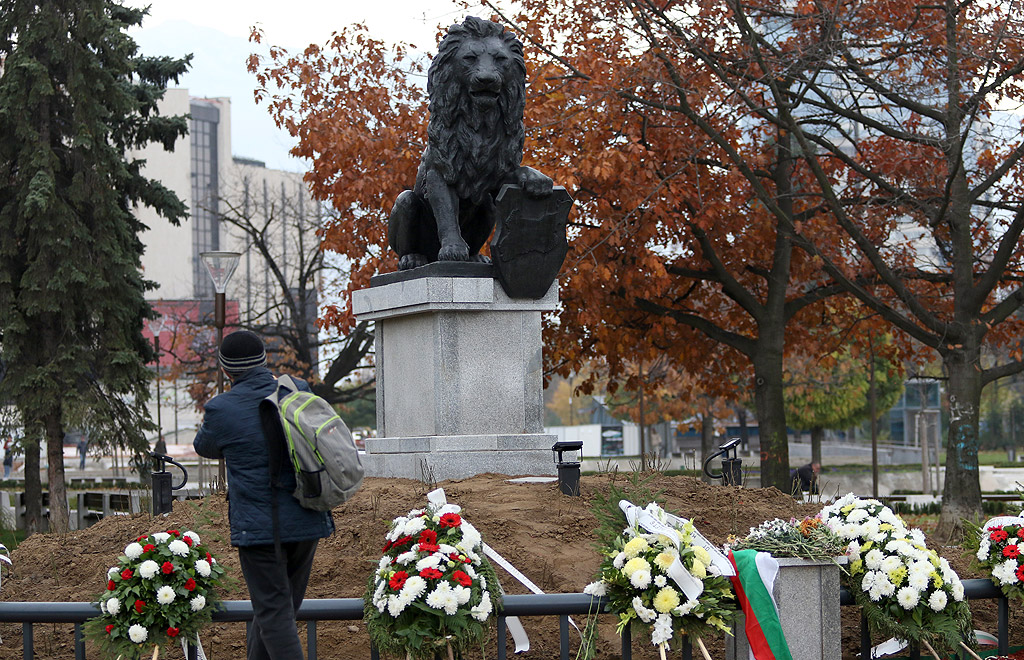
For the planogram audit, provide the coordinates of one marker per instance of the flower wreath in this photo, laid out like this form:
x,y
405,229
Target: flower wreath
x,y
433,591
905,589
809,539
640,577
998,549
163,590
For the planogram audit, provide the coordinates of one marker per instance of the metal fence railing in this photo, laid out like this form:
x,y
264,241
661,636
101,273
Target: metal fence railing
x,y
351,609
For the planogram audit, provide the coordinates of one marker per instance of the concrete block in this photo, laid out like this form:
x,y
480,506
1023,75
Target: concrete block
x,y
443,294
440,458
807,594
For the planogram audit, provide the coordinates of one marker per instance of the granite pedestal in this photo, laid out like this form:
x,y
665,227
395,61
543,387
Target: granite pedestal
x,y
807,594
459,383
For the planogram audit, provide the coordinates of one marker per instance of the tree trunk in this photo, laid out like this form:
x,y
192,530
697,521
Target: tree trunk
x,y
961,494
741,418
817,435
707,443
771,418
55,473
33,487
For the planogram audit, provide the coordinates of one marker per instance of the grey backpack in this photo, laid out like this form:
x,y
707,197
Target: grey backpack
x,y
326,462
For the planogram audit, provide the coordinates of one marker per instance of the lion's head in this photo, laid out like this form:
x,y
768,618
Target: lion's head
x,y
477,95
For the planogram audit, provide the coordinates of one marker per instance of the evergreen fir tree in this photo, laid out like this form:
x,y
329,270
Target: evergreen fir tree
x,y
76,98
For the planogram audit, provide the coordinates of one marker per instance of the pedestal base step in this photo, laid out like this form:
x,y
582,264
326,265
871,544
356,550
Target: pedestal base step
x,y
438,458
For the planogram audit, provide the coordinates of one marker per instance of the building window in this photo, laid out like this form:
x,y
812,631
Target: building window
x,y
205,191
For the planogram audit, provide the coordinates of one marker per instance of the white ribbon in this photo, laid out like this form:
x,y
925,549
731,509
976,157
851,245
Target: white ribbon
x,y
1002,521
200,655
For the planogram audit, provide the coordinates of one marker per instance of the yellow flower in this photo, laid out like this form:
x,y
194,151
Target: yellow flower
x,y
847,509
936,579
666,600
637,545
703,555
896,575
665,540
856,567
867,546
698,569
664,560
635,564
885,527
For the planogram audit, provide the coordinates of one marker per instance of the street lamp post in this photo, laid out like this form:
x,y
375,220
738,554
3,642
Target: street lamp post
x,y
221,266
156,326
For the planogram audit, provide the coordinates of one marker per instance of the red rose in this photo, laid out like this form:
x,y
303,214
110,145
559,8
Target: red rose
x,y
431,574
172,632
454,556
126,574
428,536
167,568
190,584
462,578
174,532
188,540
139,604
144,536
110,585
402,541
387,546
998,535
209,559
451,520
1011,551
149,547
110,627
429,547
1020,573
397,580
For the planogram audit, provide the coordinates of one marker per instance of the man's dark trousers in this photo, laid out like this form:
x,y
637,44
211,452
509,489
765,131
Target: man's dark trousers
x,y
276,589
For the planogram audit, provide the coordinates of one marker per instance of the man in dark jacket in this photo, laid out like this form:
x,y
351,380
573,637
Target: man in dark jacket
x,y
275,570
805,478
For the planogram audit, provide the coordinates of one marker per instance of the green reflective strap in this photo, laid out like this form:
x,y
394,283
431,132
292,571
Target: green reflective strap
x,y
321,428
288,429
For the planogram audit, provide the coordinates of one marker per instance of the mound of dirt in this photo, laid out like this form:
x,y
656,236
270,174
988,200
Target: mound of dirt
x,y
545,534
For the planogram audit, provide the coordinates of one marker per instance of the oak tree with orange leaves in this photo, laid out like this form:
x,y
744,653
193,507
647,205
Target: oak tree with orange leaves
x,y
898,122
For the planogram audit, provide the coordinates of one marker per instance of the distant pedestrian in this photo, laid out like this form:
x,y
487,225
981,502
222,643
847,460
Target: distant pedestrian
x,y
83,449
805,478
161,446
8,456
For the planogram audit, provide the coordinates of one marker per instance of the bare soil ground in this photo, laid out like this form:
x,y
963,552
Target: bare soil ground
x,y
545,534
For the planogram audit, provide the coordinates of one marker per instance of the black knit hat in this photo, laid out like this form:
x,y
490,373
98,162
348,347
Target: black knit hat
x,y
240,351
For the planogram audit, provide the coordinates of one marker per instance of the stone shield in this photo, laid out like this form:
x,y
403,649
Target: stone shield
x,y
529,243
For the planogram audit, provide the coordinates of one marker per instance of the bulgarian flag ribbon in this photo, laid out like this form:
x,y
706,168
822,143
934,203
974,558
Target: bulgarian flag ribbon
x,y
753,582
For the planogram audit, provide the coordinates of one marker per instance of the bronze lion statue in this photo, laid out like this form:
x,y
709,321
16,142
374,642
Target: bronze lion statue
x,y
477,90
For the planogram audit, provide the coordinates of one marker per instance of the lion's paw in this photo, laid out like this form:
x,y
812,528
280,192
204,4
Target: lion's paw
x,y
412,260
457,252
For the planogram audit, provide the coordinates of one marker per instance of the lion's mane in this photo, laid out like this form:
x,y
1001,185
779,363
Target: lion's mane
x,y
474,152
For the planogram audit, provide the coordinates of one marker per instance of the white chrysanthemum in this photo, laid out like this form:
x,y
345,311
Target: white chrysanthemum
x,y
197,603
446,549
857,515
908,597
148,569
178,547
660,581
640,579
448,508
891,563
662,631
165,595
203,567
619,561
112,571
873,559
193,536
1005,572
404,558
396,528
685,608
918,580
853,550
917,536
598,588
428,562
395,605
646,614
958,591
113,606
161,537
483,582
481,611
384,563
381,586
875,593
937,601
443,598
470,537
413,526
103,607
414,587
868,581
138,634
133,550
462,594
